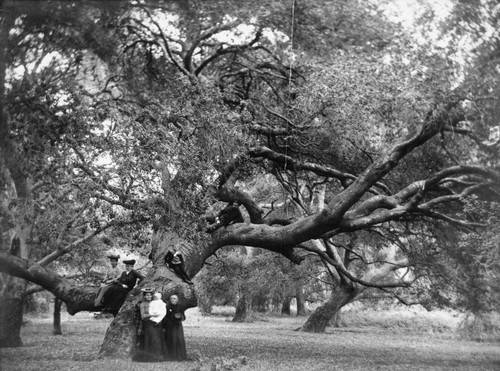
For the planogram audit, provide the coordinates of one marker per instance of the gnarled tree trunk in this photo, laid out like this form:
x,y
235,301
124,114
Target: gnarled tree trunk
x,y
340,296
120,338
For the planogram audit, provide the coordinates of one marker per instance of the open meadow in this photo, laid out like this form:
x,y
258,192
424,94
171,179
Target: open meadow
x,y
371,340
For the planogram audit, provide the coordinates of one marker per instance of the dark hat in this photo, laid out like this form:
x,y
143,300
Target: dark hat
x,y
114,257
146,290
127,262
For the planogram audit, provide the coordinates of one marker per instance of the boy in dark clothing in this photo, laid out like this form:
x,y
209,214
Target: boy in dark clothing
x,y
175,260
229,215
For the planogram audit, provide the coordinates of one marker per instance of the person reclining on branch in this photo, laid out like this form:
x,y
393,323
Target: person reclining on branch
x,y
115,296
175,260
111,277
229,215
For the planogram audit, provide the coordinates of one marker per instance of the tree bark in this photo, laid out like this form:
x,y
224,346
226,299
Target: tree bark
x,y
340,296
11,313
259,303
120,338
57,317
243,309
301,300
336,320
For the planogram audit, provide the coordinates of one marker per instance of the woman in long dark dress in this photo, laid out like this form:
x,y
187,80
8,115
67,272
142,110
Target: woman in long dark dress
x,y
115,296
174,332
150,334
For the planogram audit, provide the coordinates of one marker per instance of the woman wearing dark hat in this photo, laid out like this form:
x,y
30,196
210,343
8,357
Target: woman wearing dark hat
x,y
151,345
115,296
174,332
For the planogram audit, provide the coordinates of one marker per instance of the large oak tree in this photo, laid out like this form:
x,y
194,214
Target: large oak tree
x,y
156,112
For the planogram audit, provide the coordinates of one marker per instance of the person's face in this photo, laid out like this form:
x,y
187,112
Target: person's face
x,y
128,267
114,263
148,296
174,299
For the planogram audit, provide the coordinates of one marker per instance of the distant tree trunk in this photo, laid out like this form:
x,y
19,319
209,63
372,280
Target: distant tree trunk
x,y
285,309
301,301
57,317
259,303
340,296
242,309
276,304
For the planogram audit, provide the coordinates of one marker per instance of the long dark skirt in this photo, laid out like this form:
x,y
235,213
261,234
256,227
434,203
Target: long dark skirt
x,y
176,345
152,347
113,298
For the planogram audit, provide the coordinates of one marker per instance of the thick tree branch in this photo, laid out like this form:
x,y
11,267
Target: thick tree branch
x,y
291,164
76,298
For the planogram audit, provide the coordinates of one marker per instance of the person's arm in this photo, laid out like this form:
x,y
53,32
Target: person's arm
x,y
168,258
139,276
145,311
224,211
107,277
162,310
232,216
112,276
122,281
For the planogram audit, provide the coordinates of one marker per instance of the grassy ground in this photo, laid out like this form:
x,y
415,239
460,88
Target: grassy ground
x,y
371,340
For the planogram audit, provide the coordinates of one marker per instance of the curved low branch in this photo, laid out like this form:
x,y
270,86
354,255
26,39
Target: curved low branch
x,y
76,298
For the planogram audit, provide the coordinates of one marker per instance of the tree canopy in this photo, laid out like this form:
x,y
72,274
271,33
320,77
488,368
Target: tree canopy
x,y
341,135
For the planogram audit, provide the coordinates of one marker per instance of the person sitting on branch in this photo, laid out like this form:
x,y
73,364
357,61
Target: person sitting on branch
x,y
111,277
229,215
175,260
115,296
